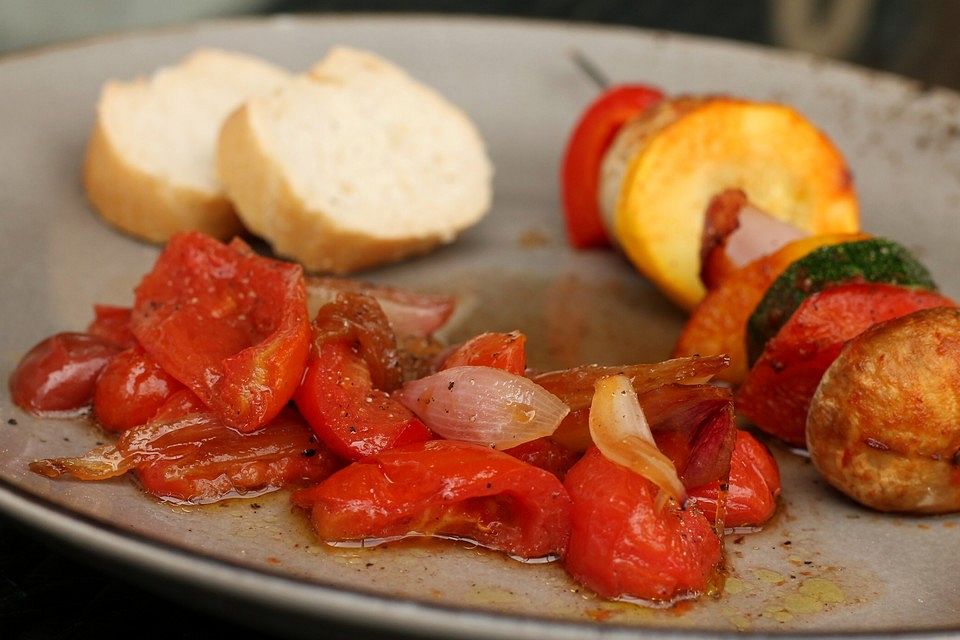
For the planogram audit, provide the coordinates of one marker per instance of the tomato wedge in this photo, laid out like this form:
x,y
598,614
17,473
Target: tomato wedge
x,y
59,373
505,351
343,393
752,489
131,389
444,487
622,545
580,171
545,454
228,324
346,412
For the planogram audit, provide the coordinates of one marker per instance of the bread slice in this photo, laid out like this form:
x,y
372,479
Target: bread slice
x,y
353,165
149,167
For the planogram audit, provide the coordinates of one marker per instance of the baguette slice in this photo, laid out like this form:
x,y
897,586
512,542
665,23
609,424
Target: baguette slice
x,y
354,165
149,167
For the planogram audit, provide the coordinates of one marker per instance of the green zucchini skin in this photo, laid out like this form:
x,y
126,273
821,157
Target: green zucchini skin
x,y
872,260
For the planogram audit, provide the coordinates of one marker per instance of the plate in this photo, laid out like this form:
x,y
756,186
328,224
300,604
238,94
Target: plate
x,y
824,565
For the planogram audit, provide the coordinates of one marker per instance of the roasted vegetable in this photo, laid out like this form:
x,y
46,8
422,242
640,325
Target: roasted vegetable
x,y
718,325
871,260
776,394
884,424
781,161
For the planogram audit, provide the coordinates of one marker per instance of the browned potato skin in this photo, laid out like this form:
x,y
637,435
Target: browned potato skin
x,y
884,424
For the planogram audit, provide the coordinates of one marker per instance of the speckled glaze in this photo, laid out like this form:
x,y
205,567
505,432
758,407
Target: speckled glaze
x,y
824,565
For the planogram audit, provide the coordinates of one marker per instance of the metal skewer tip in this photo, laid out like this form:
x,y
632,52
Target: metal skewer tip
x,y
591,70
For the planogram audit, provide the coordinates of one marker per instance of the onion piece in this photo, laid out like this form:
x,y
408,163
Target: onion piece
x,y
576,387
736,233
410,314
483,405
620,430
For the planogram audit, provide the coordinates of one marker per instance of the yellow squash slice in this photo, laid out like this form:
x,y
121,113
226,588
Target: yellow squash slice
x,y
785,165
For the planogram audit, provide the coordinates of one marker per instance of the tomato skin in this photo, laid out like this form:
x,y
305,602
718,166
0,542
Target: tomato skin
x,y
346,412
505,351
59,373
130,390
444,487
209,461
113,324
580,171
228,324
753,486
777,391
545,454
620,546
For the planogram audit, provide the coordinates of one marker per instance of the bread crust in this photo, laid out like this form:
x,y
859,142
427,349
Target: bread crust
x,y
270,208
144,205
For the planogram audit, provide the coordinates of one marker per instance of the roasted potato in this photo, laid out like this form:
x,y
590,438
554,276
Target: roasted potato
x,y
884,424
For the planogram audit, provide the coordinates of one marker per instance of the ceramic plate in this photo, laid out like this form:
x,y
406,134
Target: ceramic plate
x,y
823,566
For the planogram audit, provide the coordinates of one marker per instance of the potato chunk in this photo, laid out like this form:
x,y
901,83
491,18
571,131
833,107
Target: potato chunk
x,y
884,424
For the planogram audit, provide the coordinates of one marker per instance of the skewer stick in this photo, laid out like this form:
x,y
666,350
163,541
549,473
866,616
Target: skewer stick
x,y
591,70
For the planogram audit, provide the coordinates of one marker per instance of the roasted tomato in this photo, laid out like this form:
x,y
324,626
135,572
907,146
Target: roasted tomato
x,y
130,390
776,394
505,351
228,324
187,454
59,374
580,173
752,489
622,545
444,488
342,394
546,454
348,414
113,324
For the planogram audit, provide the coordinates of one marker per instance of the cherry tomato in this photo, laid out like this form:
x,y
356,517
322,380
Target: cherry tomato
x,y
621,545
346,412
228,324
444,487
505,351
753,486
113,324
59,373
130,390
580,173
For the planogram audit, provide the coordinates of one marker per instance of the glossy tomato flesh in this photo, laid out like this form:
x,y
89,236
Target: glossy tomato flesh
x,y
506,351
444,487
131,389
580,172
752,490
228,324
59,373
345,410
113,325
545,454
621,545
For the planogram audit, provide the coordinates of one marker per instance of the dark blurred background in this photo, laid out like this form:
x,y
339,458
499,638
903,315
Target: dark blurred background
x,y
917,38
44,594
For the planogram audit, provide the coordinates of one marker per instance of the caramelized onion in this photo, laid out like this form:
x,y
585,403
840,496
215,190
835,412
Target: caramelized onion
x,y
483,405
575,387
410,314
620,430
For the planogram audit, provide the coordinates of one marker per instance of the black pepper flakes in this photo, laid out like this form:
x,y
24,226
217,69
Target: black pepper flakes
x,y
255,505
309,453
12,422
